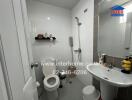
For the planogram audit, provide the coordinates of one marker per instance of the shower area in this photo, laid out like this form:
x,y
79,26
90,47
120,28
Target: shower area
x,y
71,23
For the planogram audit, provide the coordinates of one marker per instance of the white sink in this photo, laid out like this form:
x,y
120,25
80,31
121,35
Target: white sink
x,y
109,79
112,76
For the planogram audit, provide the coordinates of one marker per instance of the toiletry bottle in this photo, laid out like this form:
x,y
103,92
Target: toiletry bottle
x,y
51,37
46,35
127,65
102,59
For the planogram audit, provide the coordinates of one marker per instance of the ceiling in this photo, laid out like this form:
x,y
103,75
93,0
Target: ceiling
x,y
69,4
105,5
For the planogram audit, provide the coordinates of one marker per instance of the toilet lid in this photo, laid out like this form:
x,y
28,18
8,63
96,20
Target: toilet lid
x,y
48,66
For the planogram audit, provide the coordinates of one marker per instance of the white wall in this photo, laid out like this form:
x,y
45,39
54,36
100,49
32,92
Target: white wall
x,y
111,36
59,26
63,25
86,33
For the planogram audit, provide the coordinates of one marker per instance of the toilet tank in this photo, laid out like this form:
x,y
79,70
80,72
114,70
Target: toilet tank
x,y
48,66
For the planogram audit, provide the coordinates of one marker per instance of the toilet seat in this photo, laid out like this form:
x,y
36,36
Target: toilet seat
x,y
51,82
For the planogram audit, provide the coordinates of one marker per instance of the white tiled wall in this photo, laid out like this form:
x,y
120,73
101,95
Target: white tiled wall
x,y
59,25
86,33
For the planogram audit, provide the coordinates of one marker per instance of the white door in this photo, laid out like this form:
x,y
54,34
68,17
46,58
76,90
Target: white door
x,y
22,23
17,50
3,91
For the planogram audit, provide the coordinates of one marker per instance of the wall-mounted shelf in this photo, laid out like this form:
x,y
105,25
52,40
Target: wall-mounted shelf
x,y
47,38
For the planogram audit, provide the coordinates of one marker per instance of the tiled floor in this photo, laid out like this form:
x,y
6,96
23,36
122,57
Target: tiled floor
x,y
43,96
71,91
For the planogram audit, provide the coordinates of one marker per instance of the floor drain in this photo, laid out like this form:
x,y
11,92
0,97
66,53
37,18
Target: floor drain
x,y
70,82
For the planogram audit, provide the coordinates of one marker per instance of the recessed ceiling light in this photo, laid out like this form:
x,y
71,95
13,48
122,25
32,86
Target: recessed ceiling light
x,y
48,18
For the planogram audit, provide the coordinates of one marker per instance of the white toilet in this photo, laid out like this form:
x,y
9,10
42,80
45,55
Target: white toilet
x,y
51,81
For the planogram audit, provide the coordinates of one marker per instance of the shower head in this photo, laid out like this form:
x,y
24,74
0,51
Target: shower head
x,y
79,23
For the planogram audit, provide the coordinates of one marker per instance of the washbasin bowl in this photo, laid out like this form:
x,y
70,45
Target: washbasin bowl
x,y
112,76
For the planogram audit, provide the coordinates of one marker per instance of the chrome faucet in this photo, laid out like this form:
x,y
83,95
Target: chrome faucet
x,y
110,66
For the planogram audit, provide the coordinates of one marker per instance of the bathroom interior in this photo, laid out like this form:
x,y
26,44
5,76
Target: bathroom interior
x,y
93,30
49,35
82,31
61,19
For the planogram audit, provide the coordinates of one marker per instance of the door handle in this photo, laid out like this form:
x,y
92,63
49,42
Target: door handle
x,y
78,50
34,65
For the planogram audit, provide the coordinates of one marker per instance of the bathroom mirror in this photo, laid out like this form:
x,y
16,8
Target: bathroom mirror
x,y
115,32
